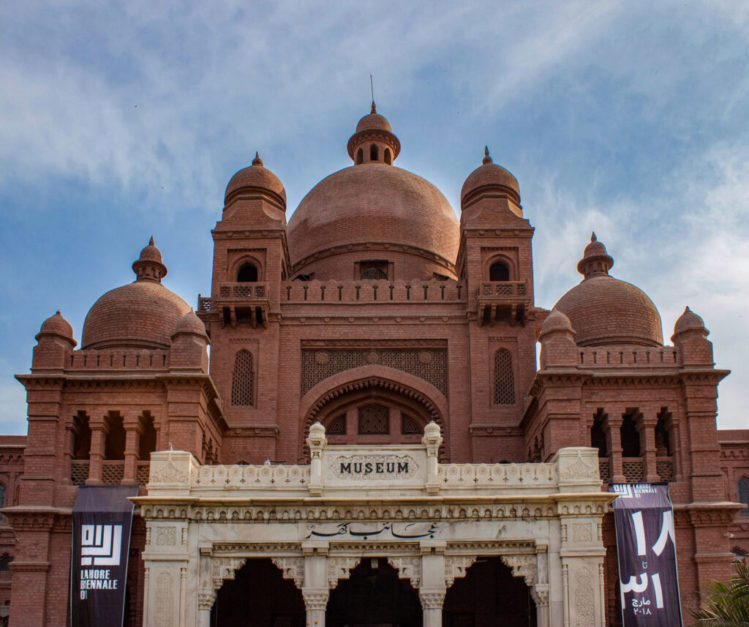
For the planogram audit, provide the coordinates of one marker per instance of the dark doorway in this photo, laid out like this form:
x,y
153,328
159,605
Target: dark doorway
x,y
489,596
258,596
373,597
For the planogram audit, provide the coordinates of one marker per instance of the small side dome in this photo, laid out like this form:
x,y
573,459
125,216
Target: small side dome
x,y
486,178
257,178
143,314
689,322
556,321
606,311
190,323
56,325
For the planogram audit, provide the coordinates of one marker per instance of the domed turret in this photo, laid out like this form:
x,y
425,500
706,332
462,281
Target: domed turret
x,y
488,178
373,141
143,314
604,310
56,326
556,322
689,323
190,324
256,179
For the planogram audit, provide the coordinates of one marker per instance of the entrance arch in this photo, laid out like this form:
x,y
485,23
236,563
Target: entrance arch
x,y
374,596
489,596
258,595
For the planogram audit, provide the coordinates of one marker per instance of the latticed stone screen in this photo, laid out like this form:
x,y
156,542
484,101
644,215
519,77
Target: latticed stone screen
x,y
337,426
374,420
504,379
243,381
429,364
409,426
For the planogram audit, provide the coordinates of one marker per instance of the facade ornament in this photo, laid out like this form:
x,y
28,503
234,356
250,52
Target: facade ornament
x,y
291,568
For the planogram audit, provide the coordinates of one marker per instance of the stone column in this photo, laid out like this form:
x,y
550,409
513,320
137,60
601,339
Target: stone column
x,y
133,430
614,424
431,606
205,603
540,595
315,602
646,427
96,453
315,591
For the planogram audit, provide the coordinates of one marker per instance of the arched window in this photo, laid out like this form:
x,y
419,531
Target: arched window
x,y
373,153
243,381
598,434
114,444
388,156
247,273
504,379
630,437
499,271
743,489
359,156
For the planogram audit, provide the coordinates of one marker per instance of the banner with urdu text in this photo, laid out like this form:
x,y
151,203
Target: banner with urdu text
x,y
102,519
645,545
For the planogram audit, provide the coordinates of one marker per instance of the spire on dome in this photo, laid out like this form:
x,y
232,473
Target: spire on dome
x,y
149,267
487,157
257,160
374,107
593,237
373,141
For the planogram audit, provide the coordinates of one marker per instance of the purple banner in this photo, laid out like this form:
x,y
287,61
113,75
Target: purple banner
x,y
102,519
645,545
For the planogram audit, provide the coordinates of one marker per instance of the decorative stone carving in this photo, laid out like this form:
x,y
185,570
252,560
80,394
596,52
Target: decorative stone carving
x,y
408,568
583,596
522,566
164,600
577,464
315,598
339,568
166,536
224,568
432,599
206,599
540,594
581,532
292,568
456,566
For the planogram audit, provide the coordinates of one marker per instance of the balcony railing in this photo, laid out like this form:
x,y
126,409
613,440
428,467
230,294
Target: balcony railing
x,y
503,301
634,469
112,472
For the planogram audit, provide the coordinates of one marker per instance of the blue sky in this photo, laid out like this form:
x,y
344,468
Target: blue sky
x,y
120,120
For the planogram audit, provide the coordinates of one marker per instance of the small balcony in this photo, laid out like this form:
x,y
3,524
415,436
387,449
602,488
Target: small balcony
x,y
633,469
237,303
503,301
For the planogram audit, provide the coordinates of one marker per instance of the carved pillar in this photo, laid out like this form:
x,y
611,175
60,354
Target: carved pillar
x,y
613,433
133,430
431,606
316,442
540,595
205,603
96,454
315,602
315,591
646,427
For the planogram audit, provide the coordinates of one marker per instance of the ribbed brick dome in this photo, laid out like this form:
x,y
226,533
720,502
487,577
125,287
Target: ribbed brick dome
x,y
374,203
56,325
486,178
256,177
143,314
604,310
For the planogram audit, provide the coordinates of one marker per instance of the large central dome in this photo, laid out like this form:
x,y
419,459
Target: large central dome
x,y
374,206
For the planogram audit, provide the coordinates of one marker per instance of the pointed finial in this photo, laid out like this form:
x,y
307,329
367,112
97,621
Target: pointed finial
x,y
257,160
374,107
686,309
57,313
371,87
150,241
487,157
593,237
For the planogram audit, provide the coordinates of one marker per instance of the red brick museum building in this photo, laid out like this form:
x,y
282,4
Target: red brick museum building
x,y
374,312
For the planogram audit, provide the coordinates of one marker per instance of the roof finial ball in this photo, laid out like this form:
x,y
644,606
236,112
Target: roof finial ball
x,y
257,160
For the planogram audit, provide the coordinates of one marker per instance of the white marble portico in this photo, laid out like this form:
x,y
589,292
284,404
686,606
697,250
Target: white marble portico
x,y
431,521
